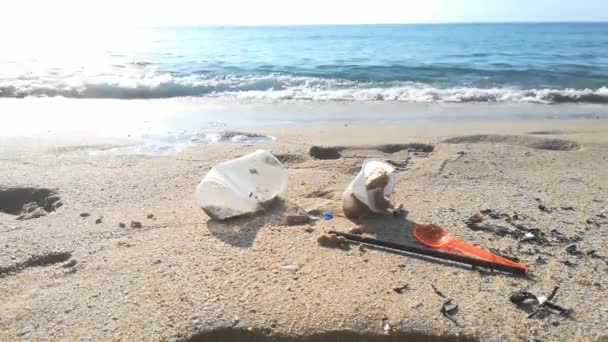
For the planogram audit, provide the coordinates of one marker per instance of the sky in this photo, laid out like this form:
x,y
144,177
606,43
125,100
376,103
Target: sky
x,y
44,14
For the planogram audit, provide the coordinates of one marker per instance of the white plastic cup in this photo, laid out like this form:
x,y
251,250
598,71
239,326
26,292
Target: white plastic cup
x,y
241,185
357,200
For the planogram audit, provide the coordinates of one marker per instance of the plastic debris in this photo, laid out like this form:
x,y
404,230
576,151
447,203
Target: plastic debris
x,y
448,308
327,215
370,191
402,288
540,304
518,231
242,185
437,238
420,250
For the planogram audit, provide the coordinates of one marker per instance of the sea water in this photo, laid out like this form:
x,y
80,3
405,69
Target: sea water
x,y
455,63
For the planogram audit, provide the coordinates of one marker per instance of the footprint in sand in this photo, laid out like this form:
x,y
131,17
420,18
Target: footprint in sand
x,y
517,140
28,203
336,152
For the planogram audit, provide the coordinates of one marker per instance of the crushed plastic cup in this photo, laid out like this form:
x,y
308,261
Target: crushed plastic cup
x,y
370,191
241,186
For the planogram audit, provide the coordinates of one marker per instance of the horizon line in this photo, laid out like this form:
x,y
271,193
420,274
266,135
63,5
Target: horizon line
x,y
385,24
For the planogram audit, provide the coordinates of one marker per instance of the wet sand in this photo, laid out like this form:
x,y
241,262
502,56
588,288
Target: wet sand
x,y
179,276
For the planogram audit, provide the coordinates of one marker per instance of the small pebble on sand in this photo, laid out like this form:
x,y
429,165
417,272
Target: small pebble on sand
x,y
356,230
291,268
332,241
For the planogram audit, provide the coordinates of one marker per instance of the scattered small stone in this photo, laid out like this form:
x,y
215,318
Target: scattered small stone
x,y
122,225
356,230
309,229
296,220
387,325
98,221
333,241
124,244
544,208
136,224
150,216
156,262
291,268
568,208
362,249
85,214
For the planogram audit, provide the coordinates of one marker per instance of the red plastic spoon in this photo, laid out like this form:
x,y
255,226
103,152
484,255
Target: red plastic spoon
x,y
436,237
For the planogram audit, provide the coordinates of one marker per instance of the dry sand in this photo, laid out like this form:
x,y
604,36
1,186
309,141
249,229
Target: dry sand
x,y
182,277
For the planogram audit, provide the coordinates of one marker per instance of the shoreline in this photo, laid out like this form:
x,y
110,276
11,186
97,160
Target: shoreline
x,y
178,122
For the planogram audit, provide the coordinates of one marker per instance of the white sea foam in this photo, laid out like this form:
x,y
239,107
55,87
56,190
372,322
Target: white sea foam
x,y
427,94
274,87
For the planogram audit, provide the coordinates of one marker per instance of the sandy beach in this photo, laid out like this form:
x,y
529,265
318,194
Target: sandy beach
x,y
124,253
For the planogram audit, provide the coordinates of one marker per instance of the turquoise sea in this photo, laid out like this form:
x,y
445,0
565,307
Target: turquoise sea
x,y
502,63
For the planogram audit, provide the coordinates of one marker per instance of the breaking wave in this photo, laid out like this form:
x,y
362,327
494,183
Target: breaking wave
x,y
275,87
